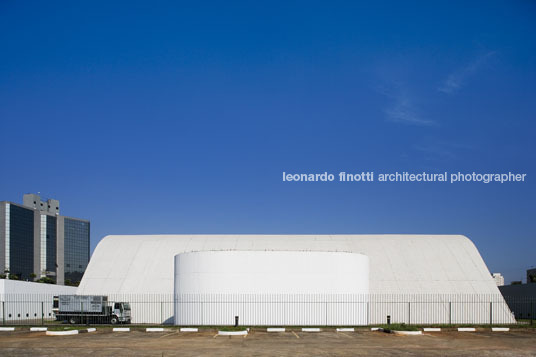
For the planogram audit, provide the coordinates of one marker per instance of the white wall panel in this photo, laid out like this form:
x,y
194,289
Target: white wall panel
x,y
23,300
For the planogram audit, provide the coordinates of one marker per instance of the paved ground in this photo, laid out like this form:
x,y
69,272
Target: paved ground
x,y
172,343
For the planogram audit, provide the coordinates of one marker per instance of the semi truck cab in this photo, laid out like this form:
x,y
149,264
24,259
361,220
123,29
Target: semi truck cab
x,y
122,312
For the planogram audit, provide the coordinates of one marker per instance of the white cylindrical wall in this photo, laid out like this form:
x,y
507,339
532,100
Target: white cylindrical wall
x,y
271,288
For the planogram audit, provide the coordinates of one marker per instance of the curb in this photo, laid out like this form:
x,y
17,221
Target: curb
x,y
154,329
466,329
38,329
346,329
431,329
62,333
311,329
189,329
500,329
7,329
275,329
376,329
406,333
86,330
233,333
121,329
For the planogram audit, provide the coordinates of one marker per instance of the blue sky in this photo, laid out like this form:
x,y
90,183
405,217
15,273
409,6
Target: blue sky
x,y
169,117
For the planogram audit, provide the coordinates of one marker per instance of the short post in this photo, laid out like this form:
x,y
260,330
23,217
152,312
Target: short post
x,y
368,313
491,313
388,319
81,311
236,321
42,314
161,312
3,312
326,310
531,311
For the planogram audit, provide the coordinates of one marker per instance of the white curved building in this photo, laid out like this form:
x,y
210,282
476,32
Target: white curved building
x,y
410,267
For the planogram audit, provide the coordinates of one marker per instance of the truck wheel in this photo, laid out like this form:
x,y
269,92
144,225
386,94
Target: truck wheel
x,y
114,320
73,320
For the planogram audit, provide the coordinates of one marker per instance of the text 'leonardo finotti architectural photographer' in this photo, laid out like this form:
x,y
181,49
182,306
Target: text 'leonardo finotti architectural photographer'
x,y
370,176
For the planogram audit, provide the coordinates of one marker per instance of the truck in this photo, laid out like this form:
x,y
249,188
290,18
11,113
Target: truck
x,y
90,309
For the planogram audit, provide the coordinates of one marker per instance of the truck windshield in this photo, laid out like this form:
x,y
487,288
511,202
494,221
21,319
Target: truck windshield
x,y
126,306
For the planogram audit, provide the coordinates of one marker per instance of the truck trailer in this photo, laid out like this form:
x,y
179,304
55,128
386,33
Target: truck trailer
x,y
90,309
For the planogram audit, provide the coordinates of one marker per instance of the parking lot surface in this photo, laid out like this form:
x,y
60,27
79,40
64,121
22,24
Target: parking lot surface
x,y
104,342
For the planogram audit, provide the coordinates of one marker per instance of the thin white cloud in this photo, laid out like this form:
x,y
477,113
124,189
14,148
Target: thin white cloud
x,y
442,150
458,78
436,151
403,110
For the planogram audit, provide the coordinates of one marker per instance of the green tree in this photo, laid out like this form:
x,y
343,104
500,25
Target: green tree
x,y
68,282
46,280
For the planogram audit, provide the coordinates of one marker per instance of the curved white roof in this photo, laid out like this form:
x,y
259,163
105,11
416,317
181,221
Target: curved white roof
x,y
416,264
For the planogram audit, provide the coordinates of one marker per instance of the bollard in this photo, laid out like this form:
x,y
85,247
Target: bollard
x,y
388,319
450,312
491,313
236,321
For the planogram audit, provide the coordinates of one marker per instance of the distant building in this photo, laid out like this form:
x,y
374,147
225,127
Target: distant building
x,y
521,298
36,239
531,275
499,279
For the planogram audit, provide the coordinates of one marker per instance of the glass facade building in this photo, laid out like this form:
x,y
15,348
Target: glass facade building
x,y
36,242
21,242
51,244
76,249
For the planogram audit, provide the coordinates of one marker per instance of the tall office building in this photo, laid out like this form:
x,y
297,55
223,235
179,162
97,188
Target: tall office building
x,y
35,238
